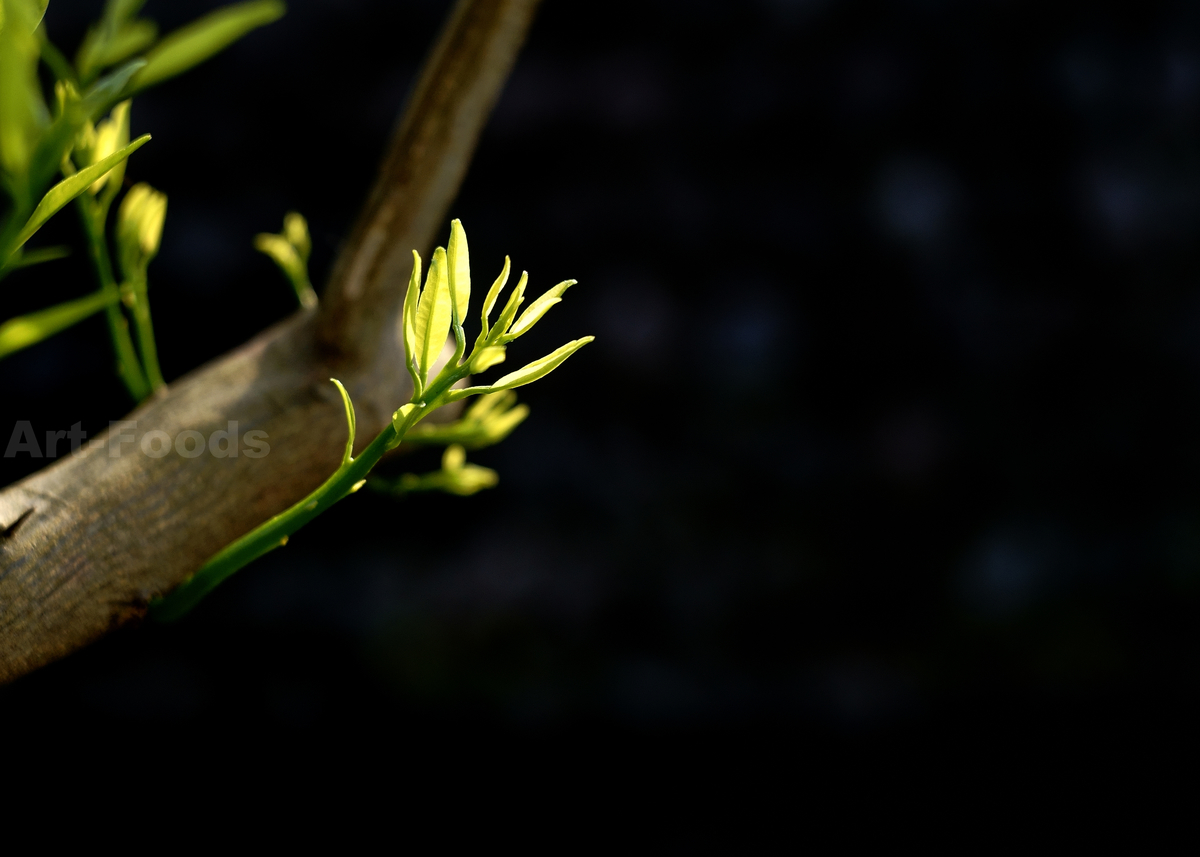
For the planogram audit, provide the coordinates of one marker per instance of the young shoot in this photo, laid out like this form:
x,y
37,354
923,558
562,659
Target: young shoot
x,y
431,313
289,250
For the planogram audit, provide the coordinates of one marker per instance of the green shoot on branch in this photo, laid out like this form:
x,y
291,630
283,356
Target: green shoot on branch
x,y
289,250
430,315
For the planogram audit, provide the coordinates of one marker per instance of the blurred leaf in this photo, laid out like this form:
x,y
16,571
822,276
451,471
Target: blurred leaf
x,y
139,229
193,44
111,134
40,255
26,330
490,420
23,114
54,58
59,138
104,91
295,230
66,190
455,477
289,260
114,37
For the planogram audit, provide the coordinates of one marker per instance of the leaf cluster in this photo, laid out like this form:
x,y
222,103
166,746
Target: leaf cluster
x,y
72,136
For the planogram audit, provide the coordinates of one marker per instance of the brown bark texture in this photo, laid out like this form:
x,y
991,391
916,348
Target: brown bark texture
x,y
88,541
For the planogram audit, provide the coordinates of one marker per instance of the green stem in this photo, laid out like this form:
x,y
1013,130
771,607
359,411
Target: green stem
x,y
127,362
274,533
145,332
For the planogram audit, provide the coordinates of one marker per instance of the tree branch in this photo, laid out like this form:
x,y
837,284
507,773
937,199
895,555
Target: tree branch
x,y
87,542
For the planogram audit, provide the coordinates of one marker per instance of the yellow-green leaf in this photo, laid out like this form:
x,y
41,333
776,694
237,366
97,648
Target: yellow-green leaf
x,y
459,269
108,88
351,424
510,309
433,313
401,416
487,358
493,294
538,308
412,339
295,230
69,188
26,330
40,255
539,368
193,44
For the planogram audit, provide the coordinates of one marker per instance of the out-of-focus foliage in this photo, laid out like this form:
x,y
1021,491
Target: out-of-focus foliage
x,y
120,55
289,250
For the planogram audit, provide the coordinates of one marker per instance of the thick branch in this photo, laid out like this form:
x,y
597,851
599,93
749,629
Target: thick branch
x,y
85,543
429,155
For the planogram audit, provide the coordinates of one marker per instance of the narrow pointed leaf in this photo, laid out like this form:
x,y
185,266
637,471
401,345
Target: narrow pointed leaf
x,y
40,255
492,295
193,44
69,188
510,309
351,425
459,269
538,308
107,89
282,254
540,368
26,330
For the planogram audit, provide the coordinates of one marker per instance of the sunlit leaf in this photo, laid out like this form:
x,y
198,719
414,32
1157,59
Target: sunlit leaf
x,y
350,422
193,44
433,313
67,189
487,358
412,339
401,416
539,368
492,295
538,308
510,309
459,269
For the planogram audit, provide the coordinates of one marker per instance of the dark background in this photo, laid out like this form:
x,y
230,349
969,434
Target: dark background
x,y
890,425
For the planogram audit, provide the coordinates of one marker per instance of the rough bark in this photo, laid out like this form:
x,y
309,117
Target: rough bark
x,y
88,541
